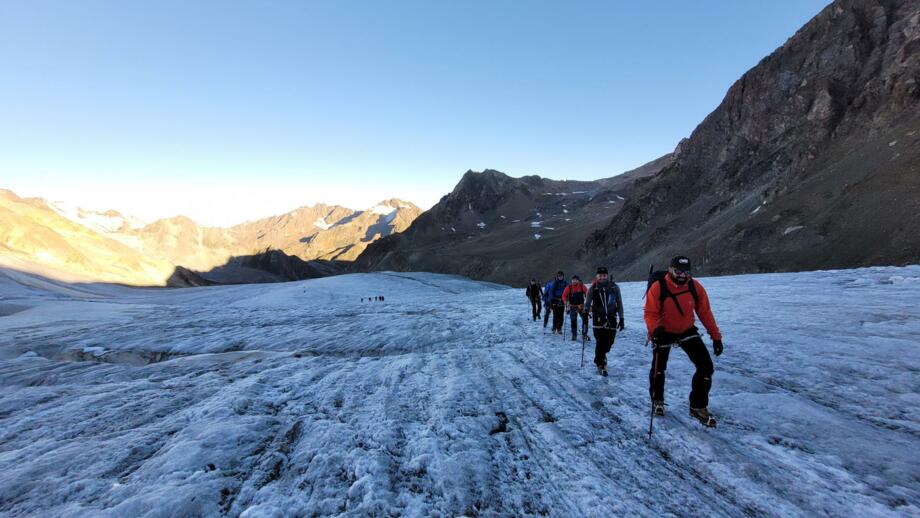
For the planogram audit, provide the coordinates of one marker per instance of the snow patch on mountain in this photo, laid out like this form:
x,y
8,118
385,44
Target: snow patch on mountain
x,y
103,222
383,210
321,223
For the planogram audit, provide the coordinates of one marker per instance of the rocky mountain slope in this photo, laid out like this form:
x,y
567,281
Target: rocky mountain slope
x,y
811,161
36,238
77,244
326,232
505,229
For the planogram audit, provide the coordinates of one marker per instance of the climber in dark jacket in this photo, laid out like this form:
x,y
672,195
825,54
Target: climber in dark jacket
x,y
535,295
605,304
555,299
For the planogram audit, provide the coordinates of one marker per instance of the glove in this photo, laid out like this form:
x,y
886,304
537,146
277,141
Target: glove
x,y
657,335
717,347
621,326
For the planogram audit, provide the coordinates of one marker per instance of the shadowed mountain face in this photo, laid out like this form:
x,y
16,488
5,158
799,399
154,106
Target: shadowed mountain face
x,y
811,161
505,229
76,244
269,266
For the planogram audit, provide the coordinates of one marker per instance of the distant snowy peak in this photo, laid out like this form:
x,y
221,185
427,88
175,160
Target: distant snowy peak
x,y
391,208
383,210
107,222
386,207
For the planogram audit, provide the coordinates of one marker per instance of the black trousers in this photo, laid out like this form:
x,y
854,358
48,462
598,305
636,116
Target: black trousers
x,y
702,378
558,315
535,306
584,322
547,309
603,341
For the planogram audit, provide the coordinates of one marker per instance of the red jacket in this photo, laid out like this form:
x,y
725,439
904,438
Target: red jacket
x,y
571,288
666,315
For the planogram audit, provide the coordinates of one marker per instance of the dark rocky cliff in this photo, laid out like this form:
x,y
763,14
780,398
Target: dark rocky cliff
x,y
811,161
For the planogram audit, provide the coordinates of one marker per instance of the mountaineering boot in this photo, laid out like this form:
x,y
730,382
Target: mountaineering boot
x,y
658,408
703,416
586,337
602,370
574,338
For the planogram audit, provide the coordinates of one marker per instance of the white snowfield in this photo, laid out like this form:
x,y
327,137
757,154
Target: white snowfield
x,y
446,399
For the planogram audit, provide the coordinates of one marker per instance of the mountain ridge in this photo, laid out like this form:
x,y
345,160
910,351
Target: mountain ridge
x,y
780,175
811,161
496,227
178,247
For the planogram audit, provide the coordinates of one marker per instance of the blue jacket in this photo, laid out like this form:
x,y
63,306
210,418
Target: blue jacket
x,y
546,291
555,289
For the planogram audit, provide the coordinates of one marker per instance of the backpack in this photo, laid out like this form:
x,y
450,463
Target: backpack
x,y
576,295
604,309
556,284
658,276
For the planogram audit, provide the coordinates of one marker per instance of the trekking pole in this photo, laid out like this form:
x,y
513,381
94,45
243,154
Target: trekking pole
x,y
545,309
562,327
651,415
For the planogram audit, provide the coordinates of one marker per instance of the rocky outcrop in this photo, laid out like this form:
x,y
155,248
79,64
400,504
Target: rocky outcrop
x,y
269,266
185,278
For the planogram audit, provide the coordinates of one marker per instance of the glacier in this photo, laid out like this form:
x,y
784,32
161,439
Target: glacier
x,y
446,399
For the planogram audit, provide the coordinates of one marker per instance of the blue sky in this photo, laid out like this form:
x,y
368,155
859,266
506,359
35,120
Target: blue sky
x,y
122,103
